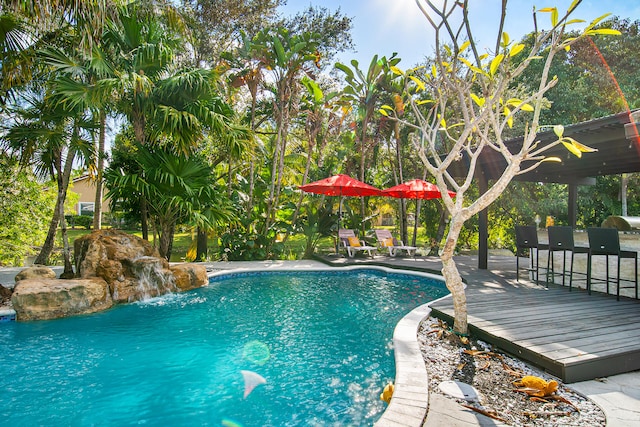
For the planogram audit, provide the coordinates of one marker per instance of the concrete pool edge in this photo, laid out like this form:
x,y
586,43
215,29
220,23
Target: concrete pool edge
x,y
410,401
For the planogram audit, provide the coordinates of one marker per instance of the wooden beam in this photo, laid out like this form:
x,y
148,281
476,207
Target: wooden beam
x,y
557,179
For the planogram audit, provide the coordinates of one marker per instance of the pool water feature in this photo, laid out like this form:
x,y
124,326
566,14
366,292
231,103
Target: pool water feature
x,y
322,342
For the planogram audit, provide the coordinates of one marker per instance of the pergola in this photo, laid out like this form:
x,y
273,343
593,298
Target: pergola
x,y
618,144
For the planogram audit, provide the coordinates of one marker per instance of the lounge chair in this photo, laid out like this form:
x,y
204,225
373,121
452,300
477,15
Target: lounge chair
x,y
352,244
386,240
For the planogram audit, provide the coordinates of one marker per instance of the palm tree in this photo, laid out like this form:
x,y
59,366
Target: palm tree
x,y
284,56
45,129
364,92
88,17
51,138
162,104
80,85
178,188
319,111
16,59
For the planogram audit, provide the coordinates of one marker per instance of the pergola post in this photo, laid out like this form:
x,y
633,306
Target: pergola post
x,y
483,226
572,207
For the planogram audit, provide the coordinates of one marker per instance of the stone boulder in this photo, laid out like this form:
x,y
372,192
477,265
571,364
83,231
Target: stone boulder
x,y
111,267
132,268
35,272
189,276
41,299
5,295
102,252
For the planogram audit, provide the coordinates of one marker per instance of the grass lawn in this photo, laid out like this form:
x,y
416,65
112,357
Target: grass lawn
x,y
181,241
294,247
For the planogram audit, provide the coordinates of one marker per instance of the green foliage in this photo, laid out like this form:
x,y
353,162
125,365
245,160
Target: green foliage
x,y
318,222
596,77
84,221
244,243
333,29
177,189
218,23
602,200
25,210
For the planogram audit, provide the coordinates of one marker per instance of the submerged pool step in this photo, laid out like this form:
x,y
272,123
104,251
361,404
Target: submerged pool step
x,y
7,315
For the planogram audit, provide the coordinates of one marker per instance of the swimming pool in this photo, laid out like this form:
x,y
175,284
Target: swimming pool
x,y
315,346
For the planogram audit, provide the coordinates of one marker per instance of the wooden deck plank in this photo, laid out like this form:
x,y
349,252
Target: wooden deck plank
x,y
585,344
592,323
560,316
530,328
592,333
538,342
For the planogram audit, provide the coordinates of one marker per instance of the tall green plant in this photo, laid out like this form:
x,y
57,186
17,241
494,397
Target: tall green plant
x,y
25,210
179,189
51,138
364,91
283,56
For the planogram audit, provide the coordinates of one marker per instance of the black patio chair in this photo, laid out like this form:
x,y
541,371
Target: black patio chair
x,y
561,240
527,239
606,241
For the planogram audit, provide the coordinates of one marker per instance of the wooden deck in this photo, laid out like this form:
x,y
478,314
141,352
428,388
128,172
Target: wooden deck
x,y
572,335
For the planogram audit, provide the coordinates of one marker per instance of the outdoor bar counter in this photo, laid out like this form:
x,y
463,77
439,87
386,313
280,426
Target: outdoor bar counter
x,y
629,241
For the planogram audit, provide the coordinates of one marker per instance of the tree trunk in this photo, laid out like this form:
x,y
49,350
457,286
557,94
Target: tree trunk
x,y
453,279
274,173
47,247
252,182
285,131
442,225
252,164
312,137
144,218
66,251
166,239
365,123
201,244
229,176
400,165
97,208
139,124
62,179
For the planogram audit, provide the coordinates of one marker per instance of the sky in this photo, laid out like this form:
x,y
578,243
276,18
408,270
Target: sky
x,y
385,26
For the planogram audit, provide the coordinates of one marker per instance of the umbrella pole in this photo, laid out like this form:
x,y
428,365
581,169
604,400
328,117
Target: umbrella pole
x,y
415,225
338,230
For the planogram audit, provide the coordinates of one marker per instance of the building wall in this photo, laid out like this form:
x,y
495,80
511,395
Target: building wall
x,y
86,190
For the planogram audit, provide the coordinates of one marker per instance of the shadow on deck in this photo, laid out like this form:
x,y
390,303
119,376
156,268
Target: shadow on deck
x,y
572,335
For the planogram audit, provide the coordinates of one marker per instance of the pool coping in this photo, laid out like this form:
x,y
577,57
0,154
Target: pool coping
x,y
410,401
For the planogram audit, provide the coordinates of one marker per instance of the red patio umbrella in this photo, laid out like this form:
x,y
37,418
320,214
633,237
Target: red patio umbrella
x,y
341,185
415,189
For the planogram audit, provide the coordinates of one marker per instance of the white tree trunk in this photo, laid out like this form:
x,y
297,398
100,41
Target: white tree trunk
x,y
453,279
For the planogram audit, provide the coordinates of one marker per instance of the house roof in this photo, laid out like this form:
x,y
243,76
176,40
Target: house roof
x,y
615,137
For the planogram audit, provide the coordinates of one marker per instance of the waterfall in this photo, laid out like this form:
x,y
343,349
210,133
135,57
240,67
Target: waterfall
x,y
154,279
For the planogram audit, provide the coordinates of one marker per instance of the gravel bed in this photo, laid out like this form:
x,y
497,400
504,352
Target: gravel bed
x,y
493,373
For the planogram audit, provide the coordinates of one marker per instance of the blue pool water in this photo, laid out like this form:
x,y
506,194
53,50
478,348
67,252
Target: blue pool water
x,y
321,341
